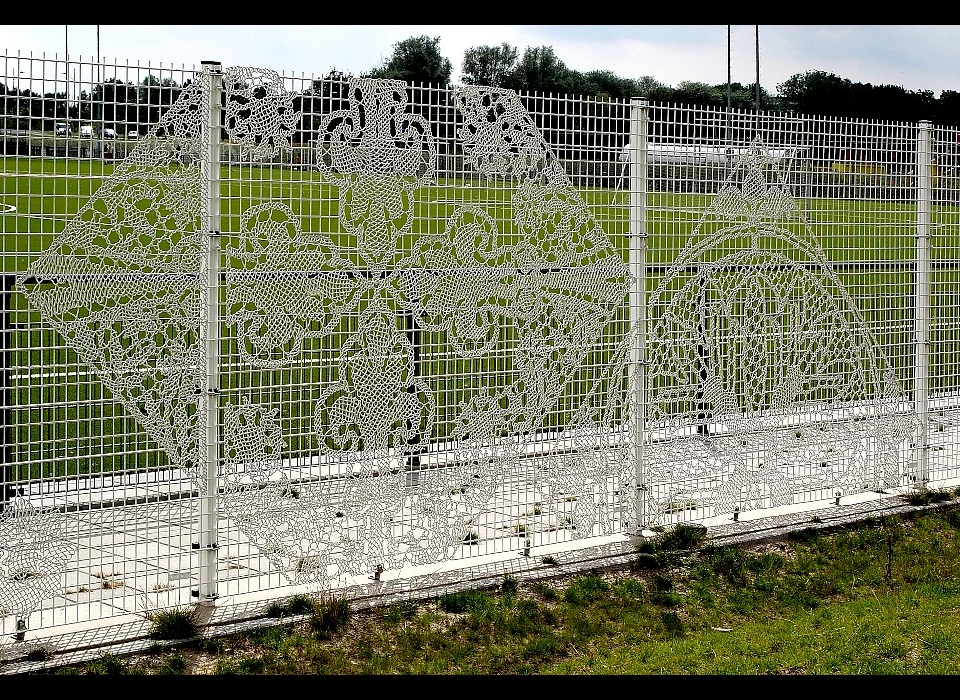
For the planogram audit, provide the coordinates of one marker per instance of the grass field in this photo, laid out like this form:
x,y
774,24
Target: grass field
x,y
65,423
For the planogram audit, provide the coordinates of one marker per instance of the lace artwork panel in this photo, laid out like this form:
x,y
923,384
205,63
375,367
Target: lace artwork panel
x,y
35,550
544,285
764,380
553,284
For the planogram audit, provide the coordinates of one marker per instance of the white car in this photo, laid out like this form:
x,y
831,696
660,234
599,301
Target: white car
x,y
62,129
109,134
86,131
133,134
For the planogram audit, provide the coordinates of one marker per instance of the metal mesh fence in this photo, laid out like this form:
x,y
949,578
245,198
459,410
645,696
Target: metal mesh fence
x,y
782,257
265,333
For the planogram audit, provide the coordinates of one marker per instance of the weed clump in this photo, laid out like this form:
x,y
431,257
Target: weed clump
x,y
926,497
329,614
174,665
299,604
41,653
673,623
683,537
107,665
546,591
649,560
657,552
176,623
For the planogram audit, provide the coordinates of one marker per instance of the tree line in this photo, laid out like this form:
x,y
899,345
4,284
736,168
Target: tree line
x,y
418,60
539,69
120,105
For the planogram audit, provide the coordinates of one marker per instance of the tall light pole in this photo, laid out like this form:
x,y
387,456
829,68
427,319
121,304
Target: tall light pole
x,y
757,26
728,75
729,132
99,84
66,68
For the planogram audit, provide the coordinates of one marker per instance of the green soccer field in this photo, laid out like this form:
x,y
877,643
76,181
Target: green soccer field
x,y
63,421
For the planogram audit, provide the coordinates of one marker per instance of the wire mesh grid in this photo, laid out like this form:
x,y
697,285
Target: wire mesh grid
x,y
96,521
422,327
783,339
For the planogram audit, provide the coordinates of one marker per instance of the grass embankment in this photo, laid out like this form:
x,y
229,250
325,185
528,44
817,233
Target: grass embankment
x,y
878,597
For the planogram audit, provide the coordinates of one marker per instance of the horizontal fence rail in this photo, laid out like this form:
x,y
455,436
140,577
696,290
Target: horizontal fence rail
x,y
266,333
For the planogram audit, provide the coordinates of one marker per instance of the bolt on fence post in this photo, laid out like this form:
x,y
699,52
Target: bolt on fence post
x,y
921,376
639,120
208,405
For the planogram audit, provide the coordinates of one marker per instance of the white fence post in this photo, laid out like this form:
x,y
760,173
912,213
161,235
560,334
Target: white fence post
x,y
208,407
639,121
921,378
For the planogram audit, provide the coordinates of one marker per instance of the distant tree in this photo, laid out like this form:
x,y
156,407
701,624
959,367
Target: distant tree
x,y
919,105
154,97
489,65
700,94
540,70
948,109
19,107
818,92
651,88
416,60
605,83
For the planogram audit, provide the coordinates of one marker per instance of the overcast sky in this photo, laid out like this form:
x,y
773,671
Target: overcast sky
x,y
916,57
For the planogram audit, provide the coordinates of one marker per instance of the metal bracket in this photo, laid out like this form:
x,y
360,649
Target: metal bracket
x,y
195,593
21,632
